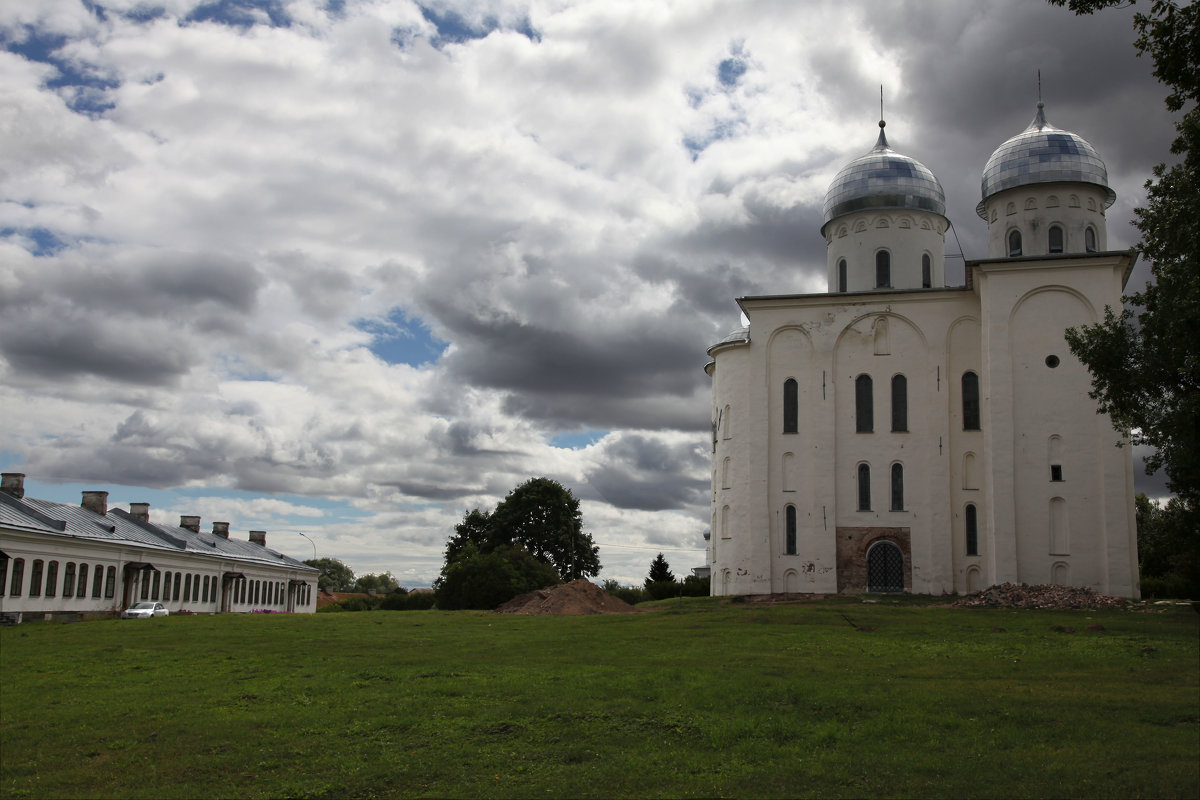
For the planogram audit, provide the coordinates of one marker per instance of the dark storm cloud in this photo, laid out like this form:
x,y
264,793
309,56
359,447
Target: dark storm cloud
x,y
133,320
649,474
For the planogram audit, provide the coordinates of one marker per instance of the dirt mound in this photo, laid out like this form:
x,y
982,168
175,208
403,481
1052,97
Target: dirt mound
x,y
1012,595
576,597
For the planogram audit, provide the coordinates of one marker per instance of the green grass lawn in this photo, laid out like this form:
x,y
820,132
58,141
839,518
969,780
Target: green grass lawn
x,y
700,698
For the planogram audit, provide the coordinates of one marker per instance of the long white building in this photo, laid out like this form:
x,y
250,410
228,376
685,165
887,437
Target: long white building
x,y
58,560
896,434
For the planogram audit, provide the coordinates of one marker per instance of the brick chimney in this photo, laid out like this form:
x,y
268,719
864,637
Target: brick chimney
x,y
221,529
13,483
140,511
96,501
259,538
190,522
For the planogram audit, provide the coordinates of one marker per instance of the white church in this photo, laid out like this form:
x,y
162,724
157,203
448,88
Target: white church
x,y
896,434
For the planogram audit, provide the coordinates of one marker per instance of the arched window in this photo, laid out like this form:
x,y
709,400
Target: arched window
x,y
970,401
3,572
791,406
864,407
790,544
972,531
110,583
926,272
864,487
1089,239
18,577
1014,243
35,578
69,580
897,487
98,580
841,275
1056,239
145,579
187,588
204,590
81,586
883,270
899,403
52,579
175,588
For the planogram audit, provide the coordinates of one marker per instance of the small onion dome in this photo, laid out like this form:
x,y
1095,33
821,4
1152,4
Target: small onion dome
x,y
1043,153
883,178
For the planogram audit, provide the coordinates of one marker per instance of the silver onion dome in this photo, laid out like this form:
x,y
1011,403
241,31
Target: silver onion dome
x,y
1043,153
883,178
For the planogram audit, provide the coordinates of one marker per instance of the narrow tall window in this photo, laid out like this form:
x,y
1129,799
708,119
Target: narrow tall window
x,y
926,272
35,578
864,487
972,531
897,487
899,403
1014,243
18,575
3,572
1089,240
970,401
842,275
175,588
883,270
790,544
98,580
81,587
110,583
187,588
145,579
52,579
204,590
69,580
1056,239
864,407
791,406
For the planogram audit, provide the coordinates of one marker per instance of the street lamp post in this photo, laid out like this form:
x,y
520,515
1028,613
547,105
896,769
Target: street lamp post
x,y
310,541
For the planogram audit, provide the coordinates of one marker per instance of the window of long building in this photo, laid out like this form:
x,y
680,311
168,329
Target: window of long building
x,y
970,401
187,588
791,406
52,579
144,578
98,580
864,487
899,403
3,573
175,588
35,578
864,404
81,586
204,590
15,584
110,583
69,580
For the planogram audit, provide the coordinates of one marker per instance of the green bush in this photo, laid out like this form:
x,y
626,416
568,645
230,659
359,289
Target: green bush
x,y
487,580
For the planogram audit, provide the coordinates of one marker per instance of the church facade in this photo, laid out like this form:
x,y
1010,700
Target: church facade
x,y
898,435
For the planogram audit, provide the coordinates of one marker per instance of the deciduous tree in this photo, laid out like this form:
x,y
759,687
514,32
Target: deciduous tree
x,y
543,517
335,576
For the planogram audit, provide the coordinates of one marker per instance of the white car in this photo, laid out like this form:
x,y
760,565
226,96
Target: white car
x,y
145,609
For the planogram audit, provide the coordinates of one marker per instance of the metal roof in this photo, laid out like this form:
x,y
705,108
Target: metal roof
x,y
884,178
1043,153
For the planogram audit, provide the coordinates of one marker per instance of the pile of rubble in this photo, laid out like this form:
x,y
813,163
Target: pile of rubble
x,y
576,597
1012,595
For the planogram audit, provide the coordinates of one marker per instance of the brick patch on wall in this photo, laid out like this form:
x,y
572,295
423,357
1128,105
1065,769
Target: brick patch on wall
x,y
852,546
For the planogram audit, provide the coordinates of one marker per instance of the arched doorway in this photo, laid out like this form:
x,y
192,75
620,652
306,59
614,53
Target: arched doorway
x,y
885,568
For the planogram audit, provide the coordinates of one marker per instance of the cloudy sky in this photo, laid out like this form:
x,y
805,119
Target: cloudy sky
x,y
353,267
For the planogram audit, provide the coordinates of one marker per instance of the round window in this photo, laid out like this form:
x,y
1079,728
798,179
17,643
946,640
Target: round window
x,y
1052,361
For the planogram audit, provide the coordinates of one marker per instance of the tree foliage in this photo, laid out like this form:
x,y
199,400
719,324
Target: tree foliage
x,y
1145,360
543,517
1168,549
335,576
486,580
382,583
